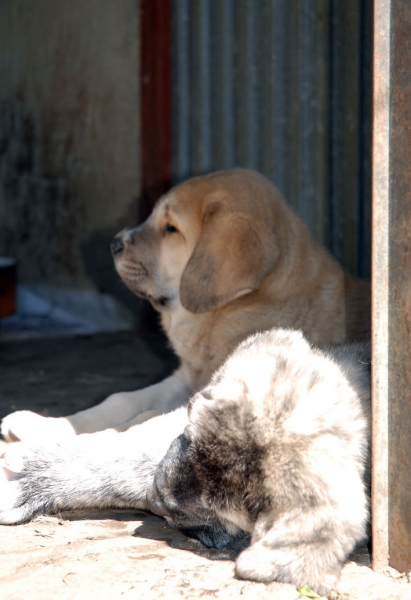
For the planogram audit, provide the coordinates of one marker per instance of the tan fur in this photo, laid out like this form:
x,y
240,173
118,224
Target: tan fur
x,y
237,234
240,261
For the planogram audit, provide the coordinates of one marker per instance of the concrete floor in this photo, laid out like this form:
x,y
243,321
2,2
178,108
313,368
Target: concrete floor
x,y
59,376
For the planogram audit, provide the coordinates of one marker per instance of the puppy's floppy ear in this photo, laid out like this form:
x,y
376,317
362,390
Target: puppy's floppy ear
x,y
233,255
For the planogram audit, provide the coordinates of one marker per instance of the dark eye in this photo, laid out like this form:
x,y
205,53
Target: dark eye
x,y
169,229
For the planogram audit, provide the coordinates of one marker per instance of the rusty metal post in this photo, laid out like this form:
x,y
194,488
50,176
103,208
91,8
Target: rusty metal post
x,y
380,263
391,277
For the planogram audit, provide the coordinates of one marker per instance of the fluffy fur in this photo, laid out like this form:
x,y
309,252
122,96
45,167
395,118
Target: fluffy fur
x,y
220,257
102,470
274,450
276,447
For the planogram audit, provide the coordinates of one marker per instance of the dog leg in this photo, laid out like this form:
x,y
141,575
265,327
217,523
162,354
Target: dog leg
x,y
260,563
305,548
116,410
106,469
141,418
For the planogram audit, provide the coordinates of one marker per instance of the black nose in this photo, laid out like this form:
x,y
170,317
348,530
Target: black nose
x,y
116,246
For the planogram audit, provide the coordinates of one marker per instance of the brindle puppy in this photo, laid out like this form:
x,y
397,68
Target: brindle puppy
x,y
276,447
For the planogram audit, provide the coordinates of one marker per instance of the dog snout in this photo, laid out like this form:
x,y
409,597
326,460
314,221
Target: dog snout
x,y
116,246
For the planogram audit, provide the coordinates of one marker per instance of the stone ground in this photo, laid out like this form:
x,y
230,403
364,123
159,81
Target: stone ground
x,y
119,553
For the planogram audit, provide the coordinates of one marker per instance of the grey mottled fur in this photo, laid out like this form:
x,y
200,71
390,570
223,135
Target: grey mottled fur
x,y
277,448
106,469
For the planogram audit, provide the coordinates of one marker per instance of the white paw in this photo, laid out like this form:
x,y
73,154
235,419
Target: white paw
x,y
294,564
11,472
27,426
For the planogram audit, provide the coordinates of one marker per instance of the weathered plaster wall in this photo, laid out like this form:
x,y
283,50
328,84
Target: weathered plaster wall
x,y
69,135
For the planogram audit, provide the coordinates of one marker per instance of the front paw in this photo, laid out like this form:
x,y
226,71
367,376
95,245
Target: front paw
x,y
299,566
27,426
17,503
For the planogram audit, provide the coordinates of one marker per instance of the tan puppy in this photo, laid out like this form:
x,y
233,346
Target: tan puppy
x,y
221,257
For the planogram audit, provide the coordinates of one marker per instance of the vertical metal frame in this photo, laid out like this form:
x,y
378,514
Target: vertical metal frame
x,y
380,265
391,278
155,30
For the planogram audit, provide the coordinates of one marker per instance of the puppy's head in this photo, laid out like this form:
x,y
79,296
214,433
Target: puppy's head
x,y
177,495
210,484
207,242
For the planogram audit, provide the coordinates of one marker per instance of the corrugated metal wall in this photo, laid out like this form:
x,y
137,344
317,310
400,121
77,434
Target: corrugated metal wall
x,y
282,86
